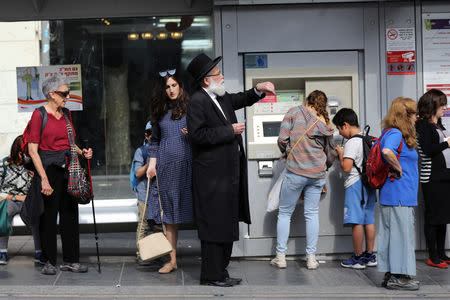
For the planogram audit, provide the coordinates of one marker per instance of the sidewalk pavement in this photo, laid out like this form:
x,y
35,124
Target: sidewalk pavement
x,y
122,278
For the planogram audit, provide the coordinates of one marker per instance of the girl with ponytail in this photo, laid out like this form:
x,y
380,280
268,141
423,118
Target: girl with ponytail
x,y
305,133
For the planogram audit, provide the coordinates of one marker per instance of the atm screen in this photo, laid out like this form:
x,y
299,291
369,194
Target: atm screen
x,y
271,128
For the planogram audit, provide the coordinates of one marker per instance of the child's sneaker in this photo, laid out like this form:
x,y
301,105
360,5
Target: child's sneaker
x,y
369,258
3,258
38,258
354,262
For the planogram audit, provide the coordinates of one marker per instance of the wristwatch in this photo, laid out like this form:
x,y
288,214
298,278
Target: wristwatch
x,y
13,198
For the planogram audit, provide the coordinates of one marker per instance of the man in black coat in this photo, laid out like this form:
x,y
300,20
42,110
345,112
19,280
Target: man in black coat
x,y
219,166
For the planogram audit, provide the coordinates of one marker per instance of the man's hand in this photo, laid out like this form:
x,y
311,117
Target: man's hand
x,y
184,131
238,128
266,87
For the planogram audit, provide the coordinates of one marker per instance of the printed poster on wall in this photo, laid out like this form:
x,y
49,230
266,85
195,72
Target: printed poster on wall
x,y
436,55
400,51
29,86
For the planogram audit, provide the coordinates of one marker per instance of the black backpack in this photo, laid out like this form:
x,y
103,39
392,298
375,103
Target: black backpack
x,y
367,142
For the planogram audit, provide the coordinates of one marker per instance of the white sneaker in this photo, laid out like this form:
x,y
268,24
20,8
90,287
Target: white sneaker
x,y
279,261
311,262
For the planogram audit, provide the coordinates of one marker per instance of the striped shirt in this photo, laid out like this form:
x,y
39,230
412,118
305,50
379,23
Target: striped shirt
x,y
425,165
308,158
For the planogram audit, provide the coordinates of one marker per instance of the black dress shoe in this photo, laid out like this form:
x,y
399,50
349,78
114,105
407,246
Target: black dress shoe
x,y
225,283
234,281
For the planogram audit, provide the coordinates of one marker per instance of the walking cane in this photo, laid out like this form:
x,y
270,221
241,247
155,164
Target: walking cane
x,y
93,209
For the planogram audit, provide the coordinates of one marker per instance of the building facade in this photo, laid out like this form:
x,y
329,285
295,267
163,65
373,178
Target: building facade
x,y
363,54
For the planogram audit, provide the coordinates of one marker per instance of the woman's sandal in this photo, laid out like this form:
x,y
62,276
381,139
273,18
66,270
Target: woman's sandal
x,y
167,268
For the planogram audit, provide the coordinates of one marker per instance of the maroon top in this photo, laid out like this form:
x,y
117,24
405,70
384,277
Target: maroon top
x,y
54,137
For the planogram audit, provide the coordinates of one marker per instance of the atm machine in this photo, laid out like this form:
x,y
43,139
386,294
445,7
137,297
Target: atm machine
x,y
294,75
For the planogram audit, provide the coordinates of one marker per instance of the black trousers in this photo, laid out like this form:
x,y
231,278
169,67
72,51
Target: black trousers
x,y
215,260
435,236
59,201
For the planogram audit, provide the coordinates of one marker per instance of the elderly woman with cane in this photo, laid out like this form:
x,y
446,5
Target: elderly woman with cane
x,y
49,150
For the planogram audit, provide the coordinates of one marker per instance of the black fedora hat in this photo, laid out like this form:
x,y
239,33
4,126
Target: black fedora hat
x,y
201,65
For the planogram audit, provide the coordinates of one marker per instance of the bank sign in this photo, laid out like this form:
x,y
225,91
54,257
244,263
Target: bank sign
x,y
29,86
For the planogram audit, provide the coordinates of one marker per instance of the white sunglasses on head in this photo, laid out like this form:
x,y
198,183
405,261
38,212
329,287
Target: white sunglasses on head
x,y
170,72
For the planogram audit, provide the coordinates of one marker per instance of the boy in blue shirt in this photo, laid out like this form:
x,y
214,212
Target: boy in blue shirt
x,y
358,213
140,163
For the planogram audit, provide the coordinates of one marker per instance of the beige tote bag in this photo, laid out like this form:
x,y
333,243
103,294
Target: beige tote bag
x,y
156,244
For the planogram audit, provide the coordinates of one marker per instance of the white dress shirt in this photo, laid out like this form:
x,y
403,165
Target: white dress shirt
x,y
214,99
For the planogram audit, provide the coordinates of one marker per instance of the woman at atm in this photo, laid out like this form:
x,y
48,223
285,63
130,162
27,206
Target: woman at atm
x,y
305,133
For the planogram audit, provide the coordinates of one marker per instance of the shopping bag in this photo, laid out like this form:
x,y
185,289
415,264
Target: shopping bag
x,y
273,200
153,246
156,244
5,222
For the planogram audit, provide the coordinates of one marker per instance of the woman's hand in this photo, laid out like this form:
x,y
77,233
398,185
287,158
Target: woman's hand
x,y
151,171
46,188
184,131
87,153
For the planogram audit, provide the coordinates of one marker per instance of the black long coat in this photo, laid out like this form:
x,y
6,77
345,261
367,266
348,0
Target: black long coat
x,y
219,165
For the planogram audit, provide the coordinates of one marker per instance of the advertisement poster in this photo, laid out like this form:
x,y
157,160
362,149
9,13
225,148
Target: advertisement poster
x,y
400,51
436,55
29,86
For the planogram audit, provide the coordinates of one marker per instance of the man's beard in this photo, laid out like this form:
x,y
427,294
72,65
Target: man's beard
x,y
216,88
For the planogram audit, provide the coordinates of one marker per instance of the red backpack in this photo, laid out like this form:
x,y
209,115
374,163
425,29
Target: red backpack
x,y
376,169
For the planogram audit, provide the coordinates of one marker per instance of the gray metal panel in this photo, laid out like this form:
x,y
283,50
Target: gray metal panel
x,y
82,9
434,6
264,2
370,106
300,28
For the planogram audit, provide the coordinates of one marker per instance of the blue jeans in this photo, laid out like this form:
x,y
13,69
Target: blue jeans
x,y
292,187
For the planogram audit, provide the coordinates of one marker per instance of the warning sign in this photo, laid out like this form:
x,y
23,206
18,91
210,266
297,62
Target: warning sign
x,y
392,34
400,51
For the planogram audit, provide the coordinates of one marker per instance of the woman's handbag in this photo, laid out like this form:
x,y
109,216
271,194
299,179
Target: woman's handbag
x,y
79,186
156,244
274,195
5,222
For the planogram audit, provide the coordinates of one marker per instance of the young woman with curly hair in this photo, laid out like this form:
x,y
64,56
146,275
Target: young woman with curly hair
x,y
433,148
171,160
306,171
398,197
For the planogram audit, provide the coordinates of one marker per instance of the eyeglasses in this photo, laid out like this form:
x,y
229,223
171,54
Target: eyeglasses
x,y
212,75
170,72
62,94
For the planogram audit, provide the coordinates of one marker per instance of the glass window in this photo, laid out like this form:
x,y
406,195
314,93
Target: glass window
x,y
120,59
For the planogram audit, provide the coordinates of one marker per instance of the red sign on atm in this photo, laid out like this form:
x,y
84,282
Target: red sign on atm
x,y
395,57
269,99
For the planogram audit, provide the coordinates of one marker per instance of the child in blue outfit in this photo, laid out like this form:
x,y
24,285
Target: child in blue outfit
x,y
358,213
140,163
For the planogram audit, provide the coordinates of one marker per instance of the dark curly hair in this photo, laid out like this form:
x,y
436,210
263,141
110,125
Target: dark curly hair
x,y
319,100
161,103
429,103
15,156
